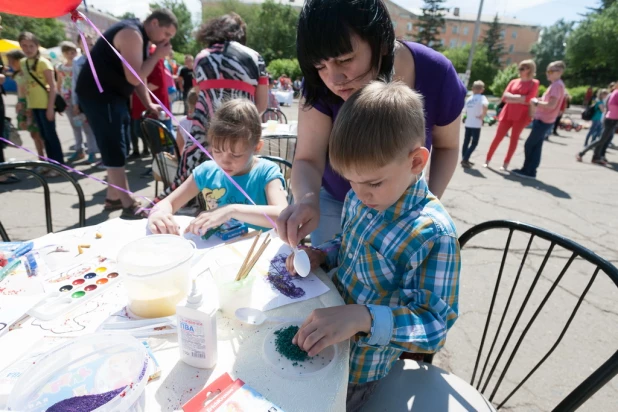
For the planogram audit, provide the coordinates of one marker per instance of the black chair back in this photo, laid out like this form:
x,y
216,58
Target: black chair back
x,y
561,250
286,171
274,114
32,168
160,140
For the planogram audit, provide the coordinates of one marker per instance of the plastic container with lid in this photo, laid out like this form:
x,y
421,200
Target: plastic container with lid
x,y
156,272
99,372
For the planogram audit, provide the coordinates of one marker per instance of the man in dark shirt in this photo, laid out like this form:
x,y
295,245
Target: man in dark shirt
x,y
107,111
185,78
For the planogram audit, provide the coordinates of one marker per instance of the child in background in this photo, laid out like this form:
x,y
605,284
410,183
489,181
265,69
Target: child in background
x,y
234,137
398,256
41,95
476,110
186,121
25,121
78,64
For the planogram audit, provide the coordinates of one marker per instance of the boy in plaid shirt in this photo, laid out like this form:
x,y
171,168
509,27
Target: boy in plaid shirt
x,y
398,256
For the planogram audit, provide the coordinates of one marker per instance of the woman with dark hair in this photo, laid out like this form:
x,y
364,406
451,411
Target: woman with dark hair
x,y
226,69
342,45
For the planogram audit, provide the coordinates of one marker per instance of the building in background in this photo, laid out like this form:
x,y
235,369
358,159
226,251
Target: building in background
x,y
102,20
518,36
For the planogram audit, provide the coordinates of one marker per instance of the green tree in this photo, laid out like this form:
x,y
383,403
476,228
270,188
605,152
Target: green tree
x,y
50,32
494,43
482,69
552,46
503,78
591,49
126,16
431,21
182,41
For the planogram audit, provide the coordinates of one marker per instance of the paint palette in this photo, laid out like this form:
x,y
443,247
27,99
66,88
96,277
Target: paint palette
x,y
75,286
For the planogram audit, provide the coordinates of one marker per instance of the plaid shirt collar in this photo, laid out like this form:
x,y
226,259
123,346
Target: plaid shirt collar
x,y
411,198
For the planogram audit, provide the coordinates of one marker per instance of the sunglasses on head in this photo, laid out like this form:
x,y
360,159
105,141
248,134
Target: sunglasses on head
x,y
552,70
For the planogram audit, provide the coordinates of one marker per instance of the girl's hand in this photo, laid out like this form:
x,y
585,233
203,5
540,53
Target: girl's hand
x,y
316,257
207,220
162,223
51,115
329,326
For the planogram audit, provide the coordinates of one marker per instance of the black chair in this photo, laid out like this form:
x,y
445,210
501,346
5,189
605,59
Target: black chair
x,y
28,168
274,113
286,171
281,146
160,141
557,244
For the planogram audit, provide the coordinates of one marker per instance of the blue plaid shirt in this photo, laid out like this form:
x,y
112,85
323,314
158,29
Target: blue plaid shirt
x,y
403,263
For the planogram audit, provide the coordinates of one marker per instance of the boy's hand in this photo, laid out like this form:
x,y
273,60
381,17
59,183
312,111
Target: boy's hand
x,y
207,220
316,258
326,327
161,223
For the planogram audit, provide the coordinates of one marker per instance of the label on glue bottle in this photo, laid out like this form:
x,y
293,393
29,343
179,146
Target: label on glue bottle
x,y
193,338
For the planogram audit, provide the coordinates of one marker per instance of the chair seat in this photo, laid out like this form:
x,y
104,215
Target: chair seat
x,y
419,386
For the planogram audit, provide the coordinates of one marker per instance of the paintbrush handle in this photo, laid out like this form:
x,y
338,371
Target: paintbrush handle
x,y
244,263
254,260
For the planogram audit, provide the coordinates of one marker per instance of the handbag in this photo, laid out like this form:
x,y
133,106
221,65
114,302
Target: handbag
x,y
10,133
59,104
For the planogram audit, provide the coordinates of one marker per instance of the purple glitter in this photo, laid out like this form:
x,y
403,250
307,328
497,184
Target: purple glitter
x,y
281,279
85,403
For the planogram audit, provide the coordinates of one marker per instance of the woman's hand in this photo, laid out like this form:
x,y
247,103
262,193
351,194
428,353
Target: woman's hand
x,y
207,220
329,326
50,114
162,223
316,257
298,220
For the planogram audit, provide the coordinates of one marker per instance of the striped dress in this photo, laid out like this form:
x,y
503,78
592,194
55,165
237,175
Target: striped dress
x,y
225,61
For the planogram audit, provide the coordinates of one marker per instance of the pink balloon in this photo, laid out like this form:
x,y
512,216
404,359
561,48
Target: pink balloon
x,y
39,8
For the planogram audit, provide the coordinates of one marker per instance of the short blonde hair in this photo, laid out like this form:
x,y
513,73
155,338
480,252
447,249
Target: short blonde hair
x,y
375,126
67,46
602,92
192,98
530,64
236,121
557,65
478,84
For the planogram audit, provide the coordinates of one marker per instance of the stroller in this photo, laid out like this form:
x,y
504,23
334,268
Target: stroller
x,y
568,124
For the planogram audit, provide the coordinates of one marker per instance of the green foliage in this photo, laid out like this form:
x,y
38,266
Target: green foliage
x,y
50,32
591,49
481,68
271,27
552,46
503,78
126,16
431,21
577,94
288,66
182,41
542,90
494,43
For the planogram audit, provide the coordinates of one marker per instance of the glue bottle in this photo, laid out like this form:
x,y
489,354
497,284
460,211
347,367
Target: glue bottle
x,y
197,330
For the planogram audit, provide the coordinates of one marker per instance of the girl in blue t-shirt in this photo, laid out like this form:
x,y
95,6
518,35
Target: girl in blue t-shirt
x,y
234,137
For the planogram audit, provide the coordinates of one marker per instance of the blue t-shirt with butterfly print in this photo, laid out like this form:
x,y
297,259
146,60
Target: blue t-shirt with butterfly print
x,y
217,190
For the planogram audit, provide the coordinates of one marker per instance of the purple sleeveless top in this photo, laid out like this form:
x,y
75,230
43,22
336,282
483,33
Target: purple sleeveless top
x,y
443,93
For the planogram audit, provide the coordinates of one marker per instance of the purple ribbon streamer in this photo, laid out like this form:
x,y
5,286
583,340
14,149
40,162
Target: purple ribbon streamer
x,y
70,169
87,50
168,112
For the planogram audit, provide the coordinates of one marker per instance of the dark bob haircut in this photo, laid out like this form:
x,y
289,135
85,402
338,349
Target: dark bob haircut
x,y
324,31
229,27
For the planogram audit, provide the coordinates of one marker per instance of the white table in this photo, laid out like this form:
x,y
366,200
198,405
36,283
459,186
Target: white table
x,y
239,346
284,96
418,386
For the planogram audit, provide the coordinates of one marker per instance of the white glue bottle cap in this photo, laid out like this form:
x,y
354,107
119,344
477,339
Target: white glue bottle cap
x,y
195,297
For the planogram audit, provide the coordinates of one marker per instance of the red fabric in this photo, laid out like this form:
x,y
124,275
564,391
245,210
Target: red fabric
x,y
563,106
503,128
227,84
157,78
519,112
263,80
40,9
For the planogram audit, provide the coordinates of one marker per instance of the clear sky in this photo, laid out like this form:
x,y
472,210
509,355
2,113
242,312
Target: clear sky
x,y
543,12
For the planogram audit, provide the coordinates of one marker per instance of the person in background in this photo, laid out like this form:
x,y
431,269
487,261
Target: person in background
x,y
547,110
186,121
25,120
185,79
609,129
157,84
108,112
588,96
476,110
611,87
172,73
596,126
297,85
4,179
225,69
78,65
283,81
515,115
41,95
273,103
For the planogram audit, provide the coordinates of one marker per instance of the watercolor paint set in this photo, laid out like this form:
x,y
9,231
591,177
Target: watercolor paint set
x,y
75,286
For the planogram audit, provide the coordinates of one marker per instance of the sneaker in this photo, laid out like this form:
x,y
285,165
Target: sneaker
x,y
519,173
466,164
504,167
578,157
612,146
76,157
601,162
486,165
92,159
134,155
470,163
